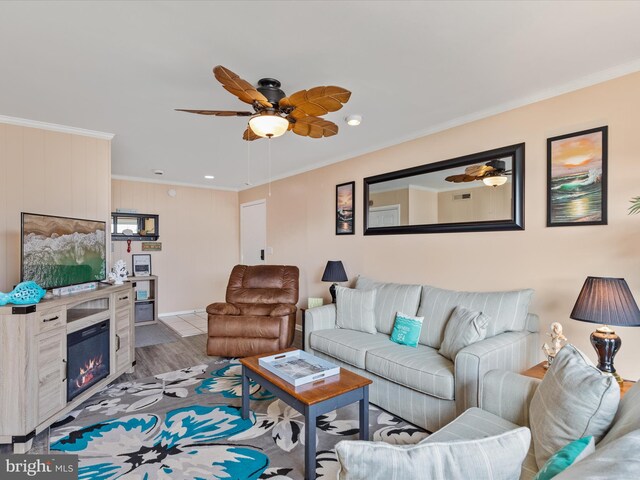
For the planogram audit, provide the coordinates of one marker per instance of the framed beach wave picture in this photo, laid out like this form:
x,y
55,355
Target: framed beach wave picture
x,y
577,178
345,208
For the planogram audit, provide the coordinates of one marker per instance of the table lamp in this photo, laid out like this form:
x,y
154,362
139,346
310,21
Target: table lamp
x,y
607,301
334,272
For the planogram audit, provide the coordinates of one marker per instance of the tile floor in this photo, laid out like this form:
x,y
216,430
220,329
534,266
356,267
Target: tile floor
x,y
187,324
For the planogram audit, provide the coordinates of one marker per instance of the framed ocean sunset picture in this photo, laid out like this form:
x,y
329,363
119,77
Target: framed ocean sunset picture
x,y
345,198
577,178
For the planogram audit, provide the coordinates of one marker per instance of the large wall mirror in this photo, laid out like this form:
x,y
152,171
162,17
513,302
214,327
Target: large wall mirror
x,y
479,192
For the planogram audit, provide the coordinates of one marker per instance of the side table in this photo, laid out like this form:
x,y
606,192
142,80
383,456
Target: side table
x,y
538,372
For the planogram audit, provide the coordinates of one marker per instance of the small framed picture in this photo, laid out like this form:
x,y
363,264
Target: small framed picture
x,y
577,178
141,265
345,208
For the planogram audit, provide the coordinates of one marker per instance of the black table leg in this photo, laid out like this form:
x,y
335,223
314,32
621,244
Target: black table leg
x,y
310,416
364,413
245,393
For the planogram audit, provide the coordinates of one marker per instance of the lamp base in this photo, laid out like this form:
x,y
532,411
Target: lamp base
x,y
332,291
606,343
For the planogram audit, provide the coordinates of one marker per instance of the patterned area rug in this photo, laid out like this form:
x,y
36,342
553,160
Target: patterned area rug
x,y
186,424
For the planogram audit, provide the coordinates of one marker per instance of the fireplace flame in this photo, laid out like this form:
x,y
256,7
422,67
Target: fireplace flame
x,y
87,373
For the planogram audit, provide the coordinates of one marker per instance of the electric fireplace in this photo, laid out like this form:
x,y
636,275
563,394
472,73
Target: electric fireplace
x,y
87,358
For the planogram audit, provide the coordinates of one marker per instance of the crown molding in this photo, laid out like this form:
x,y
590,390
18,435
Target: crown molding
x,y
54,127
169,182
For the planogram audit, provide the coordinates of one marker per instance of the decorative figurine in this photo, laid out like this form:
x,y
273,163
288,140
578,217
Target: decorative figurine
x,y
119,272
25,293
558,341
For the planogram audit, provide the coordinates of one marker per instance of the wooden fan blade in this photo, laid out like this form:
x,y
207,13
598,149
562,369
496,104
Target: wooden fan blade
x,y
316,101
478,170
315,127
242,89
249,135
461,177
216,113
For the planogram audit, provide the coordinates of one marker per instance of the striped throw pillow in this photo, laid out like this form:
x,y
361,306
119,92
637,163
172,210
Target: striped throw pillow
x,y
492,458
355,309
464,328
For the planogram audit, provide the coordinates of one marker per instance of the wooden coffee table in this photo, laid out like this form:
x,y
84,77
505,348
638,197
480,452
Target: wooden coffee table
x,y
311,400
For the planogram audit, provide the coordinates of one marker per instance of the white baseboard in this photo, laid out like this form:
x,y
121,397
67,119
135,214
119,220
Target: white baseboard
x,y
183,312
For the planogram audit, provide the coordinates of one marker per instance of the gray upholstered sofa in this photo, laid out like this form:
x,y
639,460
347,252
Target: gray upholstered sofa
x,y
505,405
419,384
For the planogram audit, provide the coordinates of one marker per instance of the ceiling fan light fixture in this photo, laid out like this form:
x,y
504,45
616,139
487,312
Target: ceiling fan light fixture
x,y
494,180
353,120
269,125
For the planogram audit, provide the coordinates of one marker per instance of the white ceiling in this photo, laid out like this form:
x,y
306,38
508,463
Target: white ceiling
x,y
413,68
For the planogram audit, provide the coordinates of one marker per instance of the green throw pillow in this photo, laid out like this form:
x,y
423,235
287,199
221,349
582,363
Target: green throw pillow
x,y
565,457
406,329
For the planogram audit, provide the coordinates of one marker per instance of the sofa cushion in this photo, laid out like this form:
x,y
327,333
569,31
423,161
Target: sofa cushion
x,y
355,309
406,330
391,298
574,400
350,346
617,460
507,310
463,328
476,459
475,423
421,368
627,418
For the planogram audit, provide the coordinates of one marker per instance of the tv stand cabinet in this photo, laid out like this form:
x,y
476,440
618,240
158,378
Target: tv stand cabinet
x,y
33,356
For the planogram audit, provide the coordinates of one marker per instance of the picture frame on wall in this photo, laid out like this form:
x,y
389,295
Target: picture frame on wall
x,y
577,178
345,208
141,264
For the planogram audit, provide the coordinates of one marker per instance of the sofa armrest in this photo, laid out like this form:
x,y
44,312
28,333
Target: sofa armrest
x,y
319,318
512,351
508,395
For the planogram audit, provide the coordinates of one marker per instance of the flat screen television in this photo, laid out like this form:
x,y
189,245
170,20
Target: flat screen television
x,y
62,251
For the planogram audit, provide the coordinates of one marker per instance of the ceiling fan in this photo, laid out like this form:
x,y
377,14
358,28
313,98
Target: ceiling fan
x,y
274,113
492,173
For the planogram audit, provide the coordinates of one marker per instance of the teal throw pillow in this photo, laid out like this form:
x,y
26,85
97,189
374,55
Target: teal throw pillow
x,y
406,329
565,457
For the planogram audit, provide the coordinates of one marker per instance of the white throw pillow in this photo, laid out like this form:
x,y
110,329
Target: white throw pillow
x,y
463,328
574,400
355,309
498,457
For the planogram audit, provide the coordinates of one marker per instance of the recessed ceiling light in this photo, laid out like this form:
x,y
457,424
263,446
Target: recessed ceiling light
x,y
353,120
158,171
209,177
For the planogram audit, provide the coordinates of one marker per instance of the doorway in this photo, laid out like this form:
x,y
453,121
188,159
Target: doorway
x,y
253,232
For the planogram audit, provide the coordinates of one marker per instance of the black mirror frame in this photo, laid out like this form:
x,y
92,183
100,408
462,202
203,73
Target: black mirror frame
x,y
517,199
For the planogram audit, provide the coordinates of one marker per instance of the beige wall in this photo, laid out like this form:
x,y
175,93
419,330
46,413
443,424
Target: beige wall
x,y
393,197
486,203
53,173
423,206
199,236
553,261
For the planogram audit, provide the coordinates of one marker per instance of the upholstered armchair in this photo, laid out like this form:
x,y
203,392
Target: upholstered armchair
x,y
259,315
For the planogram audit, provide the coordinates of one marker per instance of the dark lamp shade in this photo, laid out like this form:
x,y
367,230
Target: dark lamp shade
x,y
334,272
607,301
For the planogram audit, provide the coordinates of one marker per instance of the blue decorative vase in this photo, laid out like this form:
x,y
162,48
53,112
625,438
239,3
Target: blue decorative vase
x,y
25,293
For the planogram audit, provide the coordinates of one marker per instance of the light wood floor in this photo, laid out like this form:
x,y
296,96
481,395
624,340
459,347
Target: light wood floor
x,y
153,360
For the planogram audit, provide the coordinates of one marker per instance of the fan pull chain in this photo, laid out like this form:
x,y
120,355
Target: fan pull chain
x,y
248,161
269,142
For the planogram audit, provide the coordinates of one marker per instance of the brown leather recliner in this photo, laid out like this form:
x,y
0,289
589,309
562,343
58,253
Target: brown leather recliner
x,y
259,315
